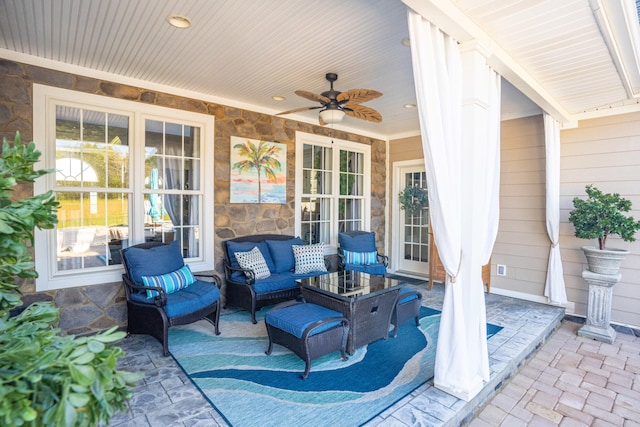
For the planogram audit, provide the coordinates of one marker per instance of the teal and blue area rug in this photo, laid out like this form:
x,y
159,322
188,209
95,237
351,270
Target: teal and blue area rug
x,y
250,388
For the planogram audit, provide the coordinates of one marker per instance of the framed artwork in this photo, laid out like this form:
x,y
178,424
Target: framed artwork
x,y
258,171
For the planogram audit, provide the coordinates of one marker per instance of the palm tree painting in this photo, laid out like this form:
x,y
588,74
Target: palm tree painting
x,y
258,171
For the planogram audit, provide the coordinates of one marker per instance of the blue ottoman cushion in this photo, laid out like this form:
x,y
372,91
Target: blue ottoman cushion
x,y
406,298
296,318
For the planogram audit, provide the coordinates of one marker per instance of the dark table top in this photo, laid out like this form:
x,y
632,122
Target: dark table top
x,y
349,284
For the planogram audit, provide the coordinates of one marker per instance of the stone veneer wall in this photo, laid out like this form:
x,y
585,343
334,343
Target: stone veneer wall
x,y
93,308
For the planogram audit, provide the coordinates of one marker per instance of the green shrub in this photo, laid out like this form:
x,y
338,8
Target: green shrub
x,y
600,215
46,379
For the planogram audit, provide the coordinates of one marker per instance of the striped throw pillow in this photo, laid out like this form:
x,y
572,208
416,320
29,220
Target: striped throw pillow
x,y
170,282
360,258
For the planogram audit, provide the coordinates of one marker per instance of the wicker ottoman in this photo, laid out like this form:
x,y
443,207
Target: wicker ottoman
x,y
407,307
308,330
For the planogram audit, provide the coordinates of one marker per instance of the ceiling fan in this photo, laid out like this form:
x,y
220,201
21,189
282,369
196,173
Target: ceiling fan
x,y
335,104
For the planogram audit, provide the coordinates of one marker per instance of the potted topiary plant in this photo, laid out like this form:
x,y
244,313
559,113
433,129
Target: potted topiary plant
x,y
46,378
413,200
598,217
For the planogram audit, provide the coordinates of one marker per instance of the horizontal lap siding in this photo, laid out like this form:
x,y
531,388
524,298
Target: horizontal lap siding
x,y
604,152
522,243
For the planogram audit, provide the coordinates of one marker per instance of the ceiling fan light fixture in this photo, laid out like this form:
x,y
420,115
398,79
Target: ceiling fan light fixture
x,y
331,116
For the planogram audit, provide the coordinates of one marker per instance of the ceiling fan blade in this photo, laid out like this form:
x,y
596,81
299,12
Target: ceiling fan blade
x,y
313,96
357,96
296,110
361,112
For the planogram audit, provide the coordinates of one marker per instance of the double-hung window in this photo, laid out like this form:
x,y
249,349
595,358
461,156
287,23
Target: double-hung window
x,y
333,187
125,173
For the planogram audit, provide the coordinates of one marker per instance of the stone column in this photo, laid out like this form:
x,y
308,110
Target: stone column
x,y
599,306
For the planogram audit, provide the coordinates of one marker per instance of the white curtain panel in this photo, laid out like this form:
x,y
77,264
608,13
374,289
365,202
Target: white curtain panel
x,y
492,167
438,78
437,68
554,288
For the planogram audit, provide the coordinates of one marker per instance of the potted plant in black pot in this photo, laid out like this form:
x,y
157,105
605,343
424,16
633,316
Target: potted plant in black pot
x,y
598,217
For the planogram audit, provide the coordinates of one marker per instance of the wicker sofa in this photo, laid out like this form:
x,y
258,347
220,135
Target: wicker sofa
x,y
245,291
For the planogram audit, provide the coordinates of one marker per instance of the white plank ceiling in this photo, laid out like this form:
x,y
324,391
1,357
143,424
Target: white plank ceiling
x,y
243,52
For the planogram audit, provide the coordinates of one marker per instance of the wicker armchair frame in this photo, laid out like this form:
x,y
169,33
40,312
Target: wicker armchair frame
x,y
151,318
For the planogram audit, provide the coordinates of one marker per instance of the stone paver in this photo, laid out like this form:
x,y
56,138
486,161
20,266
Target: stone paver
x,y
598,383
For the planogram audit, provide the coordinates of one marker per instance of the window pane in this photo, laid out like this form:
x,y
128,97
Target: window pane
x,y
91,148
173,173
173,139
316,219
89,223
190,242
306,182
192,174
191,141
192,210
154,137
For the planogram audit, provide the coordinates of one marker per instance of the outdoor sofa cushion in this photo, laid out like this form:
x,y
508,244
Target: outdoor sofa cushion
x,y
196,296
282,253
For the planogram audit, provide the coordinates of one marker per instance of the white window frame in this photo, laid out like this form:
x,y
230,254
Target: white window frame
x,y
337,145
45,98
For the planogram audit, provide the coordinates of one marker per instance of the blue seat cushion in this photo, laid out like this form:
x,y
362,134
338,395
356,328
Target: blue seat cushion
x,y
360,243
233,247
295,276
404,298
275,282
282,253
296,318
197,296
155,261
375,269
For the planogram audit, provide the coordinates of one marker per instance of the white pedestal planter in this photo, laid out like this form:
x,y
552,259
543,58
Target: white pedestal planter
x,y
599,306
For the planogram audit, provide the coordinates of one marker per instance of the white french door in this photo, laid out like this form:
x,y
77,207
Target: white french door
x,y
411,231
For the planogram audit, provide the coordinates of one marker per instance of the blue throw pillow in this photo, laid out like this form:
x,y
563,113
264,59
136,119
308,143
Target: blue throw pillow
x,y
170,282
360,258
155,261
360,243
233,247
282,253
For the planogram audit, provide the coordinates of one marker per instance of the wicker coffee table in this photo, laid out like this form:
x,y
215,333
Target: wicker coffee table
x,y
366,301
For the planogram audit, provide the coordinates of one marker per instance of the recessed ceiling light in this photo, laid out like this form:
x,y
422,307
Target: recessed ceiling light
x,y
179,21
278,98
409,105
406,42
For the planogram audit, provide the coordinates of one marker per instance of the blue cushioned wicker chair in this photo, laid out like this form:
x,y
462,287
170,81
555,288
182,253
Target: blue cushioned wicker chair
x,y
161,291
358,252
